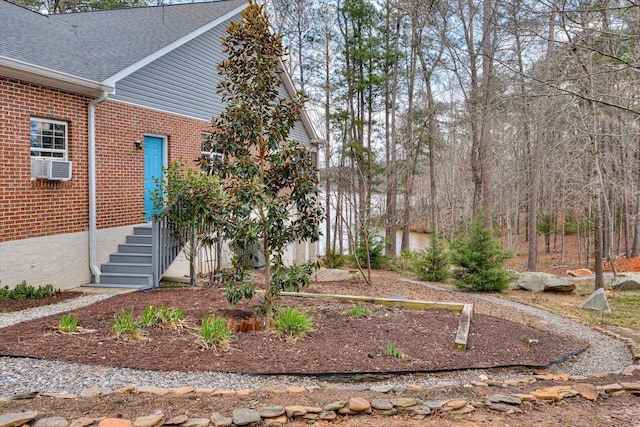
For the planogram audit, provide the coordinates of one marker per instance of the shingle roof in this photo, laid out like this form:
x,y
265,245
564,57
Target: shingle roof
x,y
96,45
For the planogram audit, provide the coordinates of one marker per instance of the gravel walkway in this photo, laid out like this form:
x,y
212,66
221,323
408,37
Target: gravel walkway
x,y
24,375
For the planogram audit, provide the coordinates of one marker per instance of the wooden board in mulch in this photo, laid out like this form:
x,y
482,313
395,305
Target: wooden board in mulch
x,y
7,306
339,343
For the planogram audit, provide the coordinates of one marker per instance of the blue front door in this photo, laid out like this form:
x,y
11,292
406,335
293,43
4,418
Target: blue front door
x,y
152,171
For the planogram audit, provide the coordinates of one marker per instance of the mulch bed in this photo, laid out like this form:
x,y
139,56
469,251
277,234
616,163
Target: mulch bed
x,y
339,343
7,306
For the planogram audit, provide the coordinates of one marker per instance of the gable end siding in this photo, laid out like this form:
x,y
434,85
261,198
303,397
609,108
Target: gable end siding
x,y
185,81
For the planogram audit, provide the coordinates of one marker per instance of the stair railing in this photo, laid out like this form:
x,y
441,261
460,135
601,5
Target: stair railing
x,y
164,248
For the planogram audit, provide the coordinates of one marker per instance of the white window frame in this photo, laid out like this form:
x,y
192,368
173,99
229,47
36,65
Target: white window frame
x,y
48,152
209,154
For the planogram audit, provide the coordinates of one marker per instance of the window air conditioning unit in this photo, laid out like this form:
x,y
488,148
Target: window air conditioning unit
x,y
50,168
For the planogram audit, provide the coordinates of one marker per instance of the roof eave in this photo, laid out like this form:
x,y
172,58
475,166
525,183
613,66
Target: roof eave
x,y
55,79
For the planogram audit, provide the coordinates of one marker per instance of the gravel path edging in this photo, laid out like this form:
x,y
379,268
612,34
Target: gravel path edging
x,y
605,354
19,375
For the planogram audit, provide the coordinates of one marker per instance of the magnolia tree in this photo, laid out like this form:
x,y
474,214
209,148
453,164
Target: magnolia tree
x,y
271,181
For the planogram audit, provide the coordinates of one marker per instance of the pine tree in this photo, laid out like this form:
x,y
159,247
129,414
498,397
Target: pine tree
x,y
432,264
479,259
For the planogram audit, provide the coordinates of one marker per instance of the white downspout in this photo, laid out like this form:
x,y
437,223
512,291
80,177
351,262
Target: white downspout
x,y
93,227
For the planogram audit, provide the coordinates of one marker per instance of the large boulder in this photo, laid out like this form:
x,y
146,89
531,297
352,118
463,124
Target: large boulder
x,y
539,282
626,283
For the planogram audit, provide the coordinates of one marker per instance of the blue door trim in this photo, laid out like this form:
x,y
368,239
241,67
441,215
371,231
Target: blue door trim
x,y
153,162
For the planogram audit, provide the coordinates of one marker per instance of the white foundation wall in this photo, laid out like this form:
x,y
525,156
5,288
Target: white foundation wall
x,y
108,239
61,260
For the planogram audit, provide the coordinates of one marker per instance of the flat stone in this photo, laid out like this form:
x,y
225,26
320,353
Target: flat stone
x,y
295,410
245,416
115,422
244,393
479,384
586,390
313,409
157,391
524,397
17,419
386,388
204,390
23,396
60,395
182,390
125,389
404,402
346,411
177,420
220,420
464,410
357,404
82,422
154,420
271,411
276,421
334,406
504,407
512,382
547,394
381,404
413,387
392,411
197,422
495,383
95,392
631,386
456,404
610,388
501,398
51,422
296,389
224,393
399,388
273,389
309,416
328,415
421,410
435,404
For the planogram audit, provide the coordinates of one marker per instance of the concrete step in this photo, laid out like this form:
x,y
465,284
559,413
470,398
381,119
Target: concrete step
x,y
130,258
134,248
124,267
126,279
136,239
142,230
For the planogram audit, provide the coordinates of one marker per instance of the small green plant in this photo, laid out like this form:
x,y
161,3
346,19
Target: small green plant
x,y
479,260
171,317
432,264
393,351
292,322
124,324
214,333
68,324
359,311
150,317
23,291
376,252
333,260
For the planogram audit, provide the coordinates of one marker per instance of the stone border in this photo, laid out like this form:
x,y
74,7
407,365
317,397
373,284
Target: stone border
x,y
390,403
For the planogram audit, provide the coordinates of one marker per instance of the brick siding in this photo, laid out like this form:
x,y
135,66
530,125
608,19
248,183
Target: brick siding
x,y
41,208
